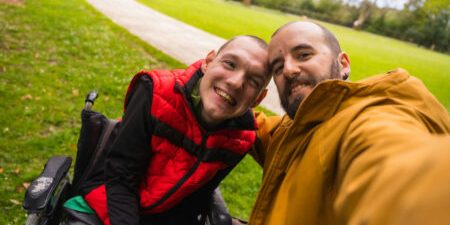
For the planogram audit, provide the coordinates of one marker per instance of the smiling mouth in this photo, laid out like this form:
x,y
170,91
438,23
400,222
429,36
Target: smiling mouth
x,y
297,87
225,96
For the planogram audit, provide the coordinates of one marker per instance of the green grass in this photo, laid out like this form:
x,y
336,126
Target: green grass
x,y
369,54
51,54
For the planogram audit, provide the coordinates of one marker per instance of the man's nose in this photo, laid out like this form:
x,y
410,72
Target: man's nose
x,y
236,80
290,69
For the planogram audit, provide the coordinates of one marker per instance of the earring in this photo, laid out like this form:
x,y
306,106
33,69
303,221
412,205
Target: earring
x,y
346,75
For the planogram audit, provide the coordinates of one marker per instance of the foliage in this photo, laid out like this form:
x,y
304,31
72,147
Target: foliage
x,y
425,22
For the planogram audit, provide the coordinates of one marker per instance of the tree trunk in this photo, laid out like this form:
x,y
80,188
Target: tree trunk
x,y
365,10
247,2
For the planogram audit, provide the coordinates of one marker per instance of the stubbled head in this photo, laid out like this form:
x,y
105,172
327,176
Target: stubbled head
x,y
302,54
235,79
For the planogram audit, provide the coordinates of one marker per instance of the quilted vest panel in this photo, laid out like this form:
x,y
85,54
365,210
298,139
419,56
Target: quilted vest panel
x,y
184,156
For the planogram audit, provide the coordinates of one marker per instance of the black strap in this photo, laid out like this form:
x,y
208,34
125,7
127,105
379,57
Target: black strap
x,y
175,137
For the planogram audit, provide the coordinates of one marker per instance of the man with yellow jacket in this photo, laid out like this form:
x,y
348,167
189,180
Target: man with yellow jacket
x,y
370,152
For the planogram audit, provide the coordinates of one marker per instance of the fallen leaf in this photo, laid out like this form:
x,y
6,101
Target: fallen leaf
x,y
15,202
106,98
20,189
26,97
1,170
13,2
26,185
75,92
51,129
17,170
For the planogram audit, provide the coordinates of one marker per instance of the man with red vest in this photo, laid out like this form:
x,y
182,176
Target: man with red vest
x,y
182,133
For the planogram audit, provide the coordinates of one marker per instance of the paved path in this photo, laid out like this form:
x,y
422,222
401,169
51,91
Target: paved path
x,y
175,38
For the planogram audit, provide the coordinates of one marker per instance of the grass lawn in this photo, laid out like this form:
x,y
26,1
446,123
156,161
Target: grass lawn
x,y
369,54
51,54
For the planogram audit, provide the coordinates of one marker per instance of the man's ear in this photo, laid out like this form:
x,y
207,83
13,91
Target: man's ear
x,y
344,65
209,58
260,97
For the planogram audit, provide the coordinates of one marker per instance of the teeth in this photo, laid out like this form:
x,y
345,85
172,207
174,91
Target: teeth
x,y
298,87
225,96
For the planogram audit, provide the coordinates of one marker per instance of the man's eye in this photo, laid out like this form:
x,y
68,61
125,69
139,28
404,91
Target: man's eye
x,y
304,55
254,83
277,70
229,64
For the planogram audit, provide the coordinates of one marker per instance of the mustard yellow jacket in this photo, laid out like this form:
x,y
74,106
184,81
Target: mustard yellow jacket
x,y
370,152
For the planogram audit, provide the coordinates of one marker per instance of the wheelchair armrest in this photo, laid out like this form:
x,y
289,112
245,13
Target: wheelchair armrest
x,y
219,213
41,190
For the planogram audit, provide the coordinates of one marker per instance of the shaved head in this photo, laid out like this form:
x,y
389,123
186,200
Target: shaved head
x,y
329,37
261,43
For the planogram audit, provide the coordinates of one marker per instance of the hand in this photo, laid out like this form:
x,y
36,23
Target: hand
x,y
235,221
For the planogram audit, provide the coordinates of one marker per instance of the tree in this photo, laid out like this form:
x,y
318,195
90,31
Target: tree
x,y
436,24
365,10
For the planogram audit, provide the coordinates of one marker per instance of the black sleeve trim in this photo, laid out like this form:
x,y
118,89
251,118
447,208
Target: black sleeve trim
x,y
129,156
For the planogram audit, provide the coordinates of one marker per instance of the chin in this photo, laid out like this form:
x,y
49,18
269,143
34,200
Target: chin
x,y
291,110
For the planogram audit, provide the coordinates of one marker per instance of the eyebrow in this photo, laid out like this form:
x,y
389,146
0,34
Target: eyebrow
x,y
294,49
231,55
238,59
301,47
274,62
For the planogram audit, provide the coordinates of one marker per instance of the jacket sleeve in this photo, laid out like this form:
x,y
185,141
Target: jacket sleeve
x,y
392,170
128,158
266,126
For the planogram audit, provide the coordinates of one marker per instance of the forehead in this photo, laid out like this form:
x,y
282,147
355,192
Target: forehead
x,y
295,34
243,45
249,53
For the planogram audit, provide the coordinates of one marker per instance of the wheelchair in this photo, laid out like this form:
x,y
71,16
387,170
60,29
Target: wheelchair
x,y
47,193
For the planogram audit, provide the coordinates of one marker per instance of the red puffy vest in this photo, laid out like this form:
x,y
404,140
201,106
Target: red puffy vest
x,y
184,156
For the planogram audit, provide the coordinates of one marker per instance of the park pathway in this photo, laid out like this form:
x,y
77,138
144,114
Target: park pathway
x,y
175,38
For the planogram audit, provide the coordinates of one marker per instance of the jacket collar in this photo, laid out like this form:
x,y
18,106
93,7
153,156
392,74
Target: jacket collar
x,y
321,104
328,96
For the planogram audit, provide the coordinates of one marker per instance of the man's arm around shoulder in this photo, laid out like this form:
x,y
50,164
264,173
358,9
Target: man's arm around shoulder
x,y
267,125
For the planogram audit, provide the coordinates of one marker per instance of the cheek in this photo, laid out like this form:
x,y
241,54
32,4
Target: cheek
x,y
320,66
279,82
252,93
203,88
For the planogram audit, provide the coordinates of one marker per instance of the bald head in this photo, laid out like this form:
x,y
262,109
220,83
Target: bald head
x,y
328,37
261,43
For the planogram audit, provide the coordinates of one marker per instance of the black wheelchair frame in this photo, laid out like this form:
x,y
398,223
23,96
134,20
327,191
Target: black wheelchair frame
x,y
46,195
